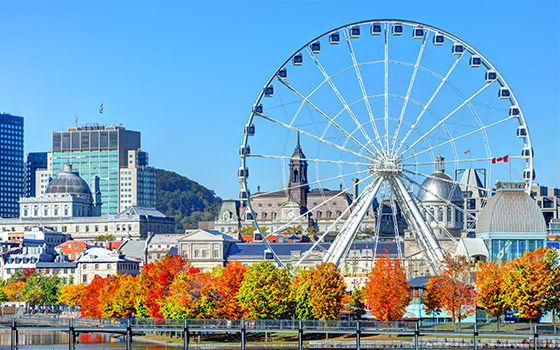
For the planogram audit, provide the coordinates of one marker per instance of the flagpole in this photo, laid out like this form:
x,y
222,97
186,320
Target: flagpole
x,y
509,163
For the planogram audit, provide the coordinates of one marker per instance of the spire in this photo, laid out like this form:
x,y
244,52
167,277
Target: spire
x,y
298,153
297,146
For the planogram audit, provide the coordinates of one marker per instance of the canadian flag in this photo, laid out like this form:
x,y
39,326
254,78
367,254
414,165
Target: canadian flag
x,y
503,159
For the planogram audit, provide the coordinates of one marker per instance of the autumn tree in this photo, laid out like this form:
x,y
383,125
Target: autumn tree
x,y
491,293
14,290
266,292
319,293
387,292
154,282
532,282
431,297
357,306
191,295
454,289
70,294
117,298
89,299
228,282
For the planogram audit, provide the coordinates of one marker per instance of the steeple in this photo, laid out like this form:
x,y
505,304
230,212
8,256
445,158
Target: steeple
x,y
297,186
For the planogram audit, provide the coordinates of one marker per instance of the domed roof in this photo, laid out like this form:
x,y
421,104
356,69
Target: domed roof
x,y
511,210
439,186
67,181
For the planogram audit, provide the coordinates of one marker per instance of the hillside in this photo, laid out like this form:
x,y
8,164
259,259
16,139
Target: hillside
x,y
185,200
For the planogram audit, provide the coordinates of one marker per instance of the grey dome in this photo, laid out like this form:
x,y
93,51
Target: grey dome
x,y
67,181
433,189
511,211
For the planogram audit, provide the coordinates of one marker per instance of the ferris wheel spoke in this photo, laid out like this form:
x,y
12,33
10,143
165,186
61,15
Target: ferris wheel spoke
x,y
343,101
324,115
362,86
446,117
285,189
333,225
410,85
446,200
446,180
456,161
316,160
481,129
429,103
320,139
387,87
378,219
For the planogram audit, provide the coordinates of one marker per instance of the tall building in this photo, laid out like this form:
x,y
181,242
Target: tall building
x,y
35,161
110,153
11,164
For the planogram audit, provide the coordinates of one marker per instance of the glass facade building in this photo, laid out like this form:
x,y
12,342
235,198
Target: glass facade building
x,y
11,164
98,151
34,161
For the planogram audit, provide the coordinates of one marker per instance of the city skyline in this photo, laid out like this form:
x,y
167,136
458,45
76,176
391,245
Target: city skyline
x,y
202,72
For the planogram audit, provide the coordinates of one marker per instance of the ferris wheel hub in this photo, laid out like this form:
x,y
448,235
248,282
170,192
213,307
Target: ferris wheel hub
x,y
389,166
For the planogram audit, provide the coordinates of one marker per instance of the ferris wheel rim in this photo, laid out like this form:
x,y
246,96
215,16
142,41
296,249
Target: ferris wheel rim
x,y
485,62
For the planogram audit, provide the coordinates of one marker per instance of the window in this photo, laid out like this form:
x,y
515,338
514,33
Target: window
x,y
204,254
471,203
97,266
196,253
108,266
84,279
216,253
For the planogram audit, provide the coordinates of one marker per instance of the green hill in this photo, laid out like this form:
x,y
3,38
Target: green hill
x,y
185,200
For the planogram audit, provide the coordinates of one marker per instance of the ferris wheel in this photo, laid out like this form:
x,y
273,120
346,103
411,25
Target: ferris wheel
x,y
385,116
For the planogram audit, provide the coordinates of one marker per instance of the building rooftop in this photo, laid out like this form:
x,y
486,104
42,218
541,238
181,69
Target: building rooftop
x,y
67,181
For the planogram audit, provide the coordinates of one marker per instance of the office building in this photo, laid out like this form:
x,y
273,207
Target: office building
x,y
110,153
11,164
33,162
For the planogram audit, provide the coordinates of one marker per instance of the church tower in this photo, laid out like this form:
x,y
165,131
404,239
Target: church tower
x,y
297,186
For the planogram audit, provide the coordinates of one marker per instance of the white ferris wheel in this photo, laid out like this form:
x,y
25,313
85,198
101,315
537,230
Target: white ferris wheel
x,y
384,106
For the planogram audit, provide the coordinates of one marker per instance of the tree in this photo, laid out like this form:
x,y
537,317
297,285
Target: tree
x,y
70,294
228,283
118,296
319,293
89,300
191,295
454,289
357,306
266,292
387,292
490,289
154,282
431,298
104,238
532,282
14,290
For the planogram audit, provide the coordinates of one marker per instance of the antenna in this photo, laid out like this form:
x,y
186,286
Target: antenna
x,y
76,120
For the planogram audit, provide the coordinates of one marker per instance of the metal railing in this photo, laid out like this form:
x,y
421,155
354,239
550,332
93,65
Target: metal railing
x,y
185,327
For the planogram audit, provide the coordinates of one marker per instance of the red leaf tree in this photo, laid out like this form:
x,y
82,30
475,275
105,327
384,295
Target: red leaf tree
x,y
387,292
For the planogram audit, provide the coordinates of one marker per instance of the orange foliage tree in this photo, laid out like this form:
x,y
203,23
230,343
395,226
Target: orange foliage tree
x,y
14,290
228,284
431,297
532,282
89,300
70,294
453,288
491,293
118,296
319,293
154,282
387,292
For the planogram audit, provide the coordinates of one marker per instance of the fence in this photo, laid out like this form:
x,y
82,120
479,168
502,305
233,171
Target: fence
x,y
136,326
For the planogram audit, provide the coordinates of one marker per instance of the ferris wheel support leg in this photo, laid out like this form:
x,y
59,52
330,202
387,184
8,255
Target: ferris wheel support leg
x,y
343,240
422,225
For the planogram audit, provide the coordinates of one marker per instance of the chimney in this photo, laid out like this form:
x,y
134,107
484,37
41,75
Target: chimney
x,y
355,190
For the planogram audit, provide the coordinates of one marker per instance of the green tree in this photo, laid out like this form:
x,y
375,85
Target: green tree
x,y
357,306
266,292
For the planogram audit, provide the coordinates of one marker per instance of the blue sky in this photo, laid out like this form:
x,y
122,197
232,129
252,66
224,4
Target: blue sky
x,y
186,74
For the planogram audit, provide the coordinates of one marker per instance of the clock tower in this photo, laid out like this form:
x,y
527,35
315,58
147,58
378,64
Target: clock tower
x,y
297,186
